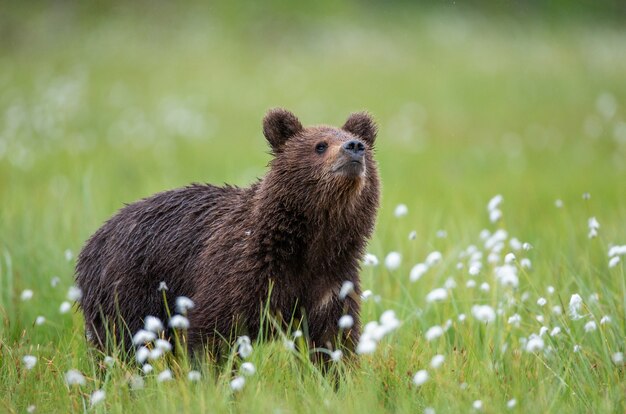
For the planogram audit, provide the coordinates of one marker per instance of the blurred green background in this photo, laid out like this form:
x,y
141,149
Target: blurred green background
x,y
104,103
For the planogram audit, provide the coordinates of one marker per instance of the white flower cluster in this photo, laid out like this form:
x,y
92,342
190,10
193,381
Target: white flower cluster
x,y
374,331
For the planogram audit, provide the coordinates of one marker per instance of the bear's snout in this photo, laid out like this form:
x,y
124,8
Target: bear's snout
x,y
354,148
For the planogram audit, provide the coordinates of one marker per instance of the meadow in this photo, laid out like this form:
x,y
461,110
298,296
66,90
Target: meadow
x,y
496,276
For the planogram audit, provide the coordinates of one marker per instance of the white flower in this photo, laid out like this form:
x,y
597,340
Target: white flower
x,y
474,268
540,318
336,355
393,260
388,321
29,361
183,304
550,290
437,361
164,376
346,288
401,210
247,369
297,333
40,320
450,283
558,203
65,307
484,313
147,368
237,383
434,332
142,336
507,275
420,377
462,317
370,260
605,319
31,409
557,310
27,294
179,322
366,294
543,330
614,261
555,331
484,287
163,345
575,305
153,324
527,246
97,397
194,376
346,322
593,227
142,354
433,258
136,382
478,405
155,354
509,258
526,263
618,358
590,326
289,345
495,215
412,235
515,244
495,202
429,410
441,234
74,377
577,348
515,320
55,281
109,361
68,255
617,250
511,403
367,345
542,301
470,283
244,347
417,272
437,295
162,286
74,294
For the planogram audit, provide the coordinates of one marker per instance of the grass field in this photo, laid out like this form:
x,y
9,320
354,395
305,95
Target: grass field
x,y
100,110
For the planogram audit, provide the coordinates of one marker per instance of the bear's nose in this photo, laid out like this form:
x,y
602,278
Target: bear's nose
x,y
355,148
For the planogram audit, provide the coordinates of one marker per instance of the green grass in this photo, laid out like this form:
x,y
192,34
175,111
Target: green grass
x,y
100,110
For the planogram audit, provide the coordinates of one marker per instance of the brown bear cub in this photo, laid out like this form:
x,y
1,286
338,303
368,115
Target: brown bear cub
x,y
288,243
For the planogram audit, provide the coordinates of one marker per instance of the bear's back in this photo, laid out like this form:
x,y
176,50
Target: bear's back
x,y
153,240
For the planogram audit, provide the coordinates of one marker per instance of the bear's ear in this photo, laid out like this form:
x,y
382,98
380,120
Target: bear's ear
x,y
361,125
278,126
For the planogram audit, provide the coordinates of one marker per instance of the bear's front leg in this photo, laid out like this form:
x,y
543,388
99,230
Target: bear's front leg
x,y
323,323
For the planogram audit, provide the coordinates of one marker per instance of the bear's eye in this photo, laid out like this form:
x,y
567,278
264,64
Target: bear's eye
x,y
321,147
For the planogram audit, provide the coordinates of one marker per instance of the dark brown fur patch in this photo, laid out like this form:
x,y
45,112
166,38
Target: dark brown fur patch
x,y
301,229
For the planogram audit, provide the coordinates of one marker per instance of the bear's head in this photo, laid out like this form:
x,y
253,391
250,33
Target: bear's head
x,y
322,166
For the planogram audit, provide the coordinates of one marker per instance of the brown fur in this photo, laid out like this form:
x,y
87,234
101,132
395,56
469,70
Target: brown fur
x,y
301,229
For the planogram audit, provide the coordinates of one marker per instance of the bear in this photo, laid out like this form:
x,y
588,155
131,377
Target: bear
x,y
287,243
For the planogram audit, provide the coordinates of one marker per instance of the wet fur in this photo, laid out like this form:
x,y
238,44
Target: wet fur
x,y
302,229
